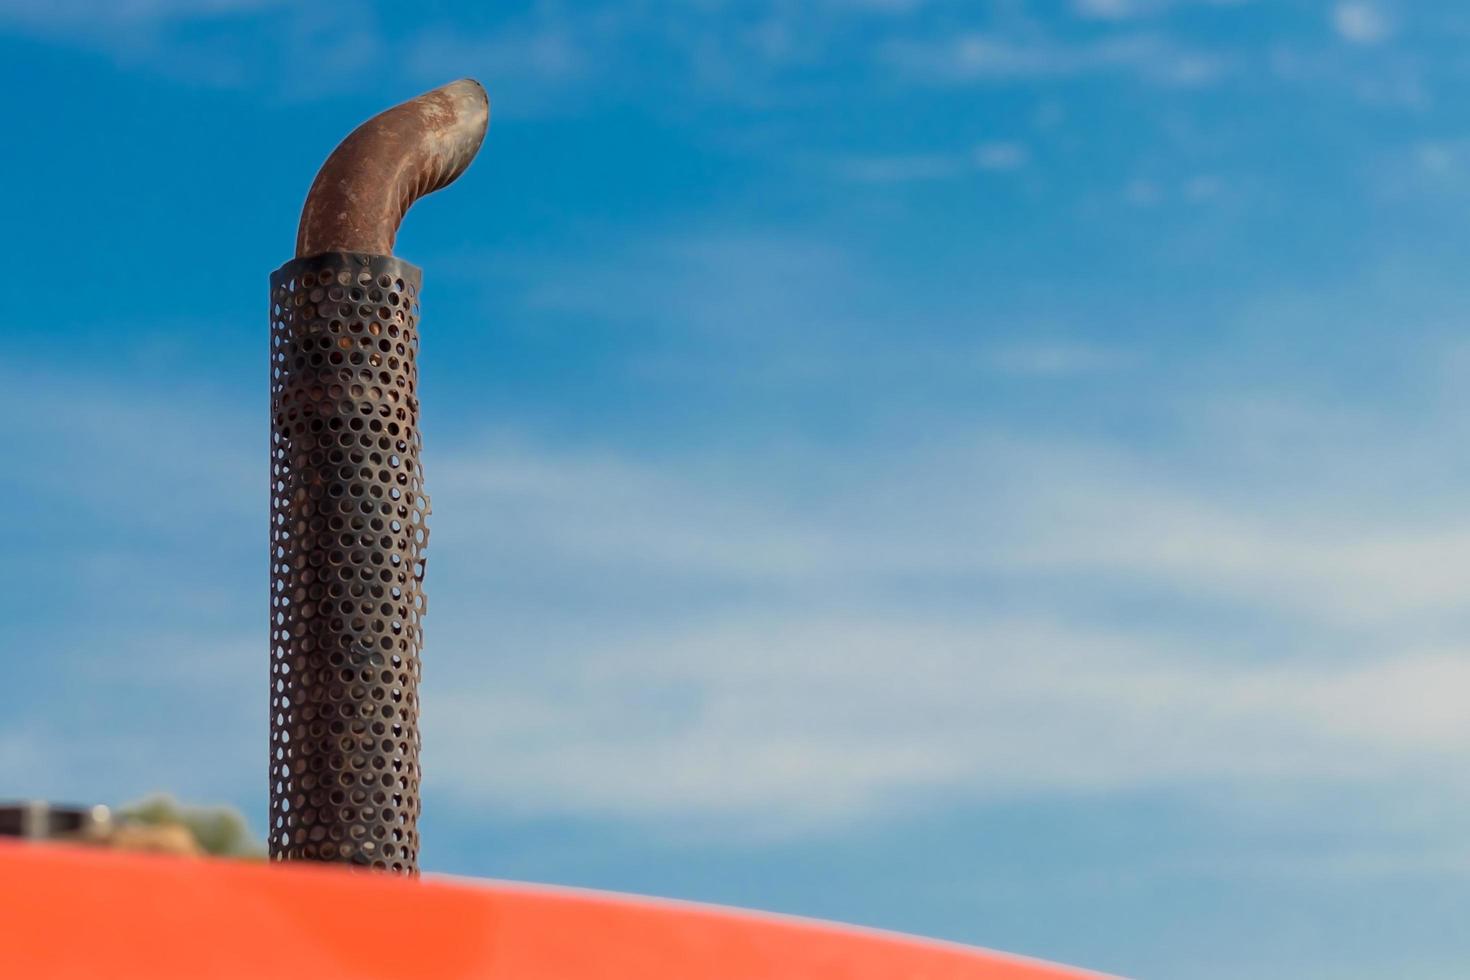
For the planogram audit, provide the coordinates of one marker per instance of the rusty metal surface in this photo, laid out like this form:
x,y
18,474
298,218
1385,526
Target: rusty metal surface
x,y
348,534
372,178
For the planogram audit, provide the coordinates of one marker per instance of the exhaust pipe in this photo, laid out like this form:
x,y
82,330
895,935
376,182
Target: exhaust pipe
x,y
348,506
372,178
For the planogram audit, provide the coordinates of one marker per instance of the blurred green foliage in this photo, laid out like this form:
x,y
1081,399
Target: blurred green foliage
x,y
220,830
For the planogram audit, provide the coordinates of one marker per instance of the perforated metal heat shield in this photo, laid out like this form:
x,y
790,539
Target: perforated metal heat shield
x,y
348,534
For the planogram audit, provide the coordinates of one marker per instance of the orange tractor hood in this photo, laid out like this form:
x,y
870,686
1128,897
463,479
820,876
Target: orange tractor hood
x,y
77,912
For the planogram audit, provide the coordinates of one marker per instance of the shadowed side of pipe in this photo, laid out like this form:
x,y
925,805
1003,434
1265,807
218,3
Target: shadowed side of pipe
x,y
348,506
372,178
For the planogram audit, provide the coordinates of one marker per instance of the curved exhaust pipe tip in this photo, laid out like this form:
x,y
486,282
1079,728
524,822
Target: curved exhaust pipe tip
x,y
372,178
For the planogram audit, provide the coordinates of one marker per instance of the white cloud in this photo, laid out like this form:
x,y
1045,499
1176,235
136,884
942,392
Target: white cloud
x,y
989,505
1361,22
134,603
775,640
805,678
809,719
707,644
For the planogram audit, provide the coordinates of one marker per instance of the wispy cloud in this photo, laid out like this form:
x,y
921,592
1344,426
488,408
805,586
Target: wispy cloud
x,y
58,13
1148,192
1112,9
996,58
724,282
902,169
304,50
138,570
1121,10
998,156
1361,22
1057,359
1001,155
802,721
823,687
882,6
552,56
546,54
793,639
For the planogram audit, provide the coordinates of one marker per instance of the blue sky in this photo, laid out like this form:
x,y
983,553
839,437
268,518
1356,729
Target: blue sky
x,y
992,470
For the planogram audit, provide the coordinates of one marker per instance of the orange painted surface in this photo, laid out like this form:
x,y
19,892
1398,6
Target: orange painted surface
x,y
73,912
